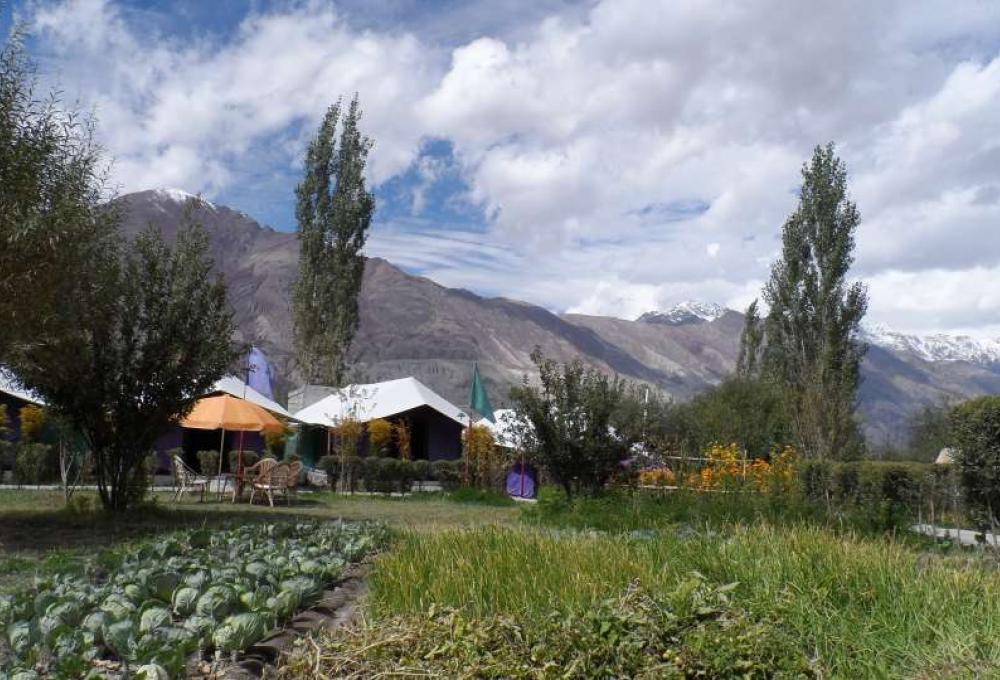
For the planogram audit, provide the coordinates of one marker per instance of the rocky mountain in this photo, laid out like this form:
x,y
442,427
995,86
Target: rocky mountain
x,y
413,326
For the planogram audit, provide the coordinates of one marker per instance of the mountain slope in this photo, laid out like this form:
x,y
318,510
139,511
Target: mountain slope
x,y
413,326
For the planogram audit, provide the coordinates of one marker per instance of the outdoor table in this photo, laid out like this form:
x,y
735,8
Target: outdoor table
x,y
225,483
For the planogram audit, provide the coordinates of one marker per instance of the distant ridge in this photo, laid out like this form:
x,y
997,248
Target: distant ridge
x,y
411,325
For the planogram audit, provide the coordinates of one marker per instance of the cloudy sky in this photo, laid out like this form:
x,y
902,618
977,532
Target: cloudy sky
x,y
605,157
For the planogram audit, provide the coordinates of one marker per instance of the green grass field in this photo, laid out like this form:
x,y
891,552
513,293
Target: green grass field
x,y
845,604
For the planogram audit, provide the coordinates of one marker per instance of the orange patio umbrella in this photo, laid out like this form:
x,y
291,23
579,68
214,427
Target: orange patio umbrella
x,y
227,412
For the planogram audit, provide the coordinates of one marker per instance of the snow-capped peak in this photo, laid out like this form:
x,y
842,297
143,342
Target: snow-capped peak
x,y
684,313
180,196
936,347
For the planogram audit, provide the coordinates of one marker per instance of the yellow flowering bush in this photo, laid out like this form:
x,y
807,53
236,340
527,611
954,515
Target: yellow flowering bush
x,y
726,468
658,477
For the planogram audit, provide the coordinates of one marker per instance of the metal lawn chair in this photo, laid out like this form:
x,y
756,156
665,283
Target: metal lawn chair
x,y
187,479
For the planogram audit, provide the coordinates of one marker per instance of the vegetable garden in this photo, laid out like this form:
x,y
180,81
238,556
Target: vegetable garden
x,y
144,611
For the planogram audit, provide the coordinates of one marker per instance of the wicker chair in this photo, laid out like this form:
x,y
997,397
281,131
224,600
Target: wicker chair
x,y
187,479
254,473
273,480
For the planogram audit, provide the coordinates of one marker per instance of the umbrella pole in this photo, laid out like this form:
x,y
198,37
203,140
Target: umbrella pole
x,y
239,458
222,448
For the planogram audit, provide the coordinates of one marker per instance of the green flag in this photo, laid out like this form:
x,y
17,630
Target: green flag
x,y
479,400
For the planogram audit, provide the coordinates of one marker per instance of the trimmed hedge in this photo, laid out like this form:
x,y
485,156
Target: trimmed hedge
x,y
880,494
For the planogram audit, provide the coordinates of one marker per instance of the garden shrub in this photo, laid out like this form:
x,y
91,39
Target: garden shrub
x,y
36,463
350,468
331,466
449,473
249,458
379,437
208,462
975,427
421,470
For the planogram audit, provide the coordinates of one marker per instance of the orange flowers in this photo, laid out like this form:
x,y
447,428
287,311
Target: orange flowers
x,y
726,468
658,477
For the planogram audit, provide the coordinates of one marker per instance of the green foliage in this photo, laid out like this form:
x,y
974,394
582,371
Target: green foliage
x,y
333,210
746,411
929,432
808,343
860,607
421,470
331,466
248,457
53,220
386,475
578,425
208,462
169,597
36,464
692,631
152,331
975,427
878,496
448,473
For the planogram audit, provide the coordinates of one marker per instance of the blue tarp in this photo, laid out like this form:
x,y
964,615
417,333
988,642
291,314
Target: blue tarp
x,y
521,481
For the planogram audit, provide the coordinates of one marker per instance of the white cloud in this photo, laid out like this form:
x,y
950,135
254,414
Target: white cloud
x,y
584,135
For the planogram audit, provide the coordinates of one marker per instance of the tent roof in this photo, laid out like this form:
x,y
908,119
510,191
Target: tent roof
x,y
378,400
237,388
8,385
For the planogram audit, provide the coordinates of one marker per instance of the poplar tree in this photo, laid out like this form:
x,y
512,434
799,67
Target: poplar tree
x,y
334,210
51,185
808,342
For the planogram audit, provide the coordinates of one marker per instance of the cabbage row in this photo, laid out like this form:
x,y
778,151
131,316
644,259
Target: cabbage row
x,y
209,590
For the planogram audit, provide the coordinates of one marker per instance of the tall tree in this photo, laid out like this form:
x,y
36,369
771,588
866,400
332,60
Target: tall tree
x,y
51,181
809,340
153,331
334,210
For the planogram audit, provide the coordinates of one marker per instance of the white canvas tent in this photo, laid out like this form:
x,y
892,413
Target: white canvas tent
x,y
378,400
9,385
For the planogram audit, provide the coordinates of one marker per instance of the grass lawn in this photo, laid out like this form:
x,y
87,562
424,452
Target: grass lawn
x,y
35,527
548,587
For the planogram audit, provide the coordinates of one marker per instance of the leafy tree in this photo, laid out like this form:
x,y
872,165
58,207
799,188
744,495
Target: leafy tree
x,y
578,424
975,427
51,181
744,411
808,342
152,332
379,437
334,211
929,432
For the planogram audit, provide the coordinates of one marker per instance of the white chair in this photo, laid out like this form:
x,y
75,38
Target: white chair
x,y
187,479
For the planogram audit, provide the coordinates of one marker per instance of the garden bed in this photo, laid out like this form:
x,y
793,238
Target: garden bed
x,y
207,594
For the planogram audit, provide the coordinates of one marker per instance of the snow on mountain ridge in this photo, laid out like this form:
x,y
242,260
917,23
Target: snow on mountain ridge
x,y
180,196
687,312
936,347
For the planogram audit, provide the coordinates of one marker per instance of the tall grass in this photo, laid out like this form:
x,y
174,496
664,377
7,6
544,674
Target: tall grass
x,y
860,607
